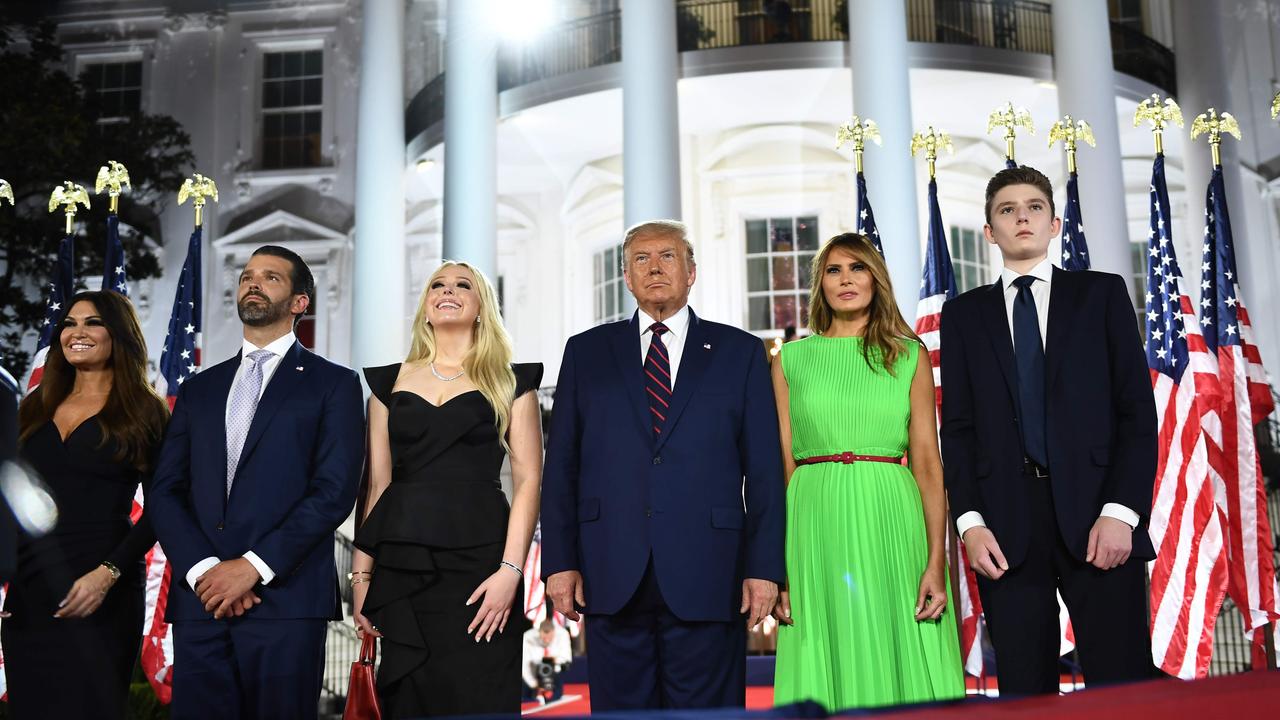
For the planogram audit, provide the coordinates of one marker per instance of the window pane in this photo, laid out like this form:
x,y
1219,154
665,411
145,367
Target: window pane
x,y
271,95
783,235
757,231
803,302
807,233
784,273
784,311
292,64
273,65
598,314
313,62
597,261
610,304
757,274
311,94
621,289
291,93
805,270
133,74
758,313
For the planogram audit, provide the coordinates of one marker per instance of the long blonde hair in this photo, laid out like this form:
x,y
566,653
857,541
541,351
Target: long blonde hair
x,y
488,362
886,333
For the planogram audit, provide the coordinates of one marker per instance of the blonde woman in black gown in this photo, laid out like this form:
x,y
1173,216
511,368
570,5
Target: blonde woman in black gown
x,y
437,572
92,431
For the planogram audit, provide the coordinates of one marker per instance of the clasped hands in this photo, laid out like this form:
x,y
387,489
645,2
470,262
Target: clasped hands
x,y
226,590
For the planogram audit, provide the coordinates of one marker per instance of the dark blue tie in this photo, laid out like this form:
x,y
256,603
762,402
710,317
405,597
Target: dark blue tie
x,y
1030,354
657,378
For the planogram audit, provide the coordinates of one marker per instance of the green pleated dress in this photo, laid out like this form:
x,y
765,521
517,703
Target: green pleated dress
x,y
856,542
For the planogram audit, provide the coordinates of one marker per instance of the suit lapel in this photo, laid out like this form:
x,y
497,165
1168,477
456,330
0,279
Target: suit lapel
x,y
289,373
625,345
1062,297
996,319
694,359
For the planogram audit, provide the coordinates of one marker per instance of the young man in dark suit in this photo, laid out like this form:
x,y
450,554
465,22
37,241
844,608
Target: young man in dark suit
x,y
259,467
1049,447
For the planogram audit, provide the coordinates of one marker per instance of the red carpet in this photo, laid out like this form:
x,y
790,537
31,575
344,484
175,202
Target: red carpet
x,y
1247,695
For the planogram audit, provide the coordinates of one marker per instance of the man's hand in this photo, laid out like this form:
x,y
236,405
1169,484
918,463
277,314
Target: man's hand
x,y
240,605
565,588
985,556
758,600
1110,542
225,584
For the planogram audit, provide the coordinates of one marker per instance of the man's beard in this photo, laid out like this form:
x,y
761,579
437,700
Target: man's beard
x,y
264,313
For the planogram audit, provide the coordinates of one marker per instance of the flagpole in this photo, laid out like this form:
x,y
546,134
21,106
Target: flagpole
x,y
114,179
69,195
1010,119
857,131
200,189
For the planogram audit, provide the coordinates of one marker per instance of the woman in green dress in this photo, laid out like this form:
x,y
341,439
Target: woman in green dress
x,y
865,620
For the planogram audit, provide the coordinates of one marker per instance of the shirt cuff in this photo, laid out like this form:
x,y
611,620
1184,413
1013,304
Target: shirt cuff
x,y
1121,513
263,569
199,569
968,521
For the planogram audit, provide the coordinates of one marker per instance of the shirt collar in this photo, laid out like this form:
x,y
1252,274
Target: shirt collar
x,y
1042,271
676,324
277,347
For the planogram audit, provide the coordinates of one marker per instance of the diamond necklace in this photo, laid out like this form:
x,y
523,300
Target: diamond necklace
x,y
435,372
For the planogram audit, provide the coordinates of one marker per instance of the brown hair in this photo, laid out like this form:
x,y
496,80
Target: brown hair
x,y
1021,175
134,416
886,333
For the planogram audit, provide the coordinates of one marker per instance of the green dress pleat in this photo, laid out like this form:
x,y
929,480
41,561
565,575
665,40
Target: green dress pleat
x,y
856,541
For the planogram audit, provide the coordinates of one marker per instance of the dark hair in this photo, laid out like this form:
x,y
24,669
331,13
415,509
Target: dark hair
x,y
1021,175
134,416
300,276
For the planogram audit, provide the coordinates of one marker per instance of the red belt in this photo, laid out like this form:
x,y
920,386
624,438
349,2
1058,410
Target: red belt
x,y
847,458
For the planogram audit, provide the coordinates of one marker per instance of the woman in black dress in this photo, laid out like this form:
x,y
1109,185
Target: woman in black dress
x,y
91,431
437,572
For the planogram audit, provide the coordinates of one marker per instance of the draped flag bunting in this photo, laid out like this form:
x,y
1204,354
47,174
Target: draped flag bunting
x,y
1245,401
113,274
61,288
1189,575
1075,251
867,218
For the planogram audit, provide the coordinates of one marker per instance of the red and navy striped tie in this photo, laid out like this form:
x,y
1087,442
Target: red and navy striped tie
x,y
657,378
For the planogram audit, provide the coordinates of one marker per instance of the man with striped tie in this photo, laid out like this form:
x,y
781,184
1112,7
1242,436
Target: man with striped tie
x,y
662,501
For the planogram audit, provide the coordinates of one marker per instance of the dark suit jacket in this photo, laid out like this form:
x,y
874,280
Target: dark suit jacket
x,y
613,495
1101,417
296,482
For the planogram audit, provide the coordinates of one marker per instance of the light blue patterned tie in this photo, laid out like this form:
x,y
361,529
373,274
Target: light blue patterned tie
x,y
244,401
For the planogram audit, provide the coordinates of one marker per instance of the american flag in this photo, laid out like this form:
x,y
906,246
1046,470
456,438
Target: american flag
x,y
936,287
179,360
1189,575
113,275
61,288
1245,401
867,218
1075,251
535,591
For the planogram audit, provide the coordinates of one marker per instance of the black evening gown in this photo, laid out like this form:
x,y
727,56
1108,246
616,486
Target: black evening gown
x,y
436,533
76,668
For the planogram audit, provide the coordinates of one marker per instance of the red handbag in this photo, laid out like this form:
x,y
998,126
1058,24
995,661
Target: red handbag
x,y
362,694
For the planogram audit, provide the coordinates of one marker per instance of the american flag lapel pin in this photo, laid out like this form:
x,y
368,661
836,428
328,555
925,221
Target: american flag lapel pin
x,y
706,346
299,368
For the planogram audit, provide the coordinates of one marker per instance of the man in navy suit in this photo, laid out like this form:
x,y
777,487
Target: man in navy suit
x,y
259,467
663,501
1049,447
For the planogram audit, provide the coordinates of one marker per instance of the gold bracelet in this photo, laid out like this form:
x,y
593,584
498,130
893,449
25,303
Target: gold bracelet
x,y
357,581
351,575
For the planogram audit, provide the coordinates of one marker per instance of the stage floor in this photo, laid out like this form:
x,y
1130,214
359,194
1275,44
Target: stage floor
x,y
1223,697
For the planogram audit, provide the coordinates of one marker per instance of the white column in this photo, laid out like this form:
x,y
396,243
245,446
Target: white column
x,y
1083,70
650,111
471,137
882,92
379,324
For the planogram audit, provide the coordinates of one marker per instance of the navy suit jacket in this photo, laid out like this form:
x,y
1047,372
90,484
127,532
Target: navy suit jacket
x,y
295,483
706,501
1100,412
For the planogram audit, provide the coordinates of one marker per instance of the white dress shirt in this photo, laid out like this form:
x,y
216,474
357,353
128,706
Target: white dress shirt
x,y
673,339
277,348
1043,274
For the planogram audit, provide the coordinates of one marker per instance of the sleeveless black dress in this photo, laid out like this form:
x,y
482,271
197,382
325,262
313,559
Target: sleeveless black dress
x,y
436,533
76,668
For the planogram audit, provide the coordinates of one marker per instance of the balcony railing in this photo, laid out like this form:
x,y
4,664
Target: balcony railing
x,y
1021,25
